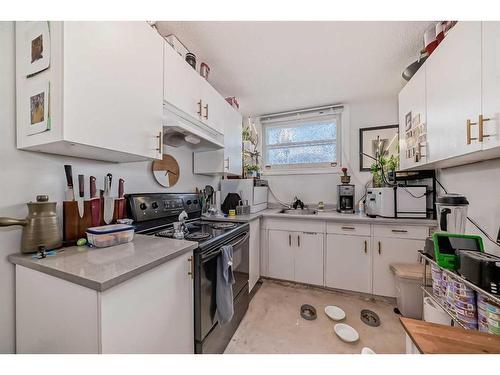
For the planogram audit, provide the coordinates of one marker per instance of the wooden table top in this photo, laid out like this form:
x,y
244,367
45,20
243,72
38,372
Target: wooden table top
x,y
431,338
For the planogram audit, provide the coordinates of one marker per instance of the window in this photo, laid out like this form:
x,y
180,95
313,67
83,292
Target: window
x,y
311,142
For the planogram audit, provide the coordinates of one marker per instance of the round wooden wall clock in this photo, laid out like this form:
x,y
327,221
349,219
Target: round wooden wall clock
x,y
166,171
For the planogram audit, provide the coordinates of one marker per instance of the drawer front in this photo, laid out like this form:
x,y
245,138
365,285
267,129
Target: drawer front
x,y
350,228
401,231
295,225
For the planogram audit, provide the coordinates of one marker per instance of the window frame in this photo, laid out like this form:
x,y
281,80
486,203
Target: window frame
x,y
302,168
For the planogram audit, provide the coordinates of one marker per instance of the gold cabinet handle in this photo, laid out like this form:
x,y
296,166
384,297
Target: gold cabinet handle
x,y
200,107
160,143
191,267
481,122
379,247
469,138
206,112
366,246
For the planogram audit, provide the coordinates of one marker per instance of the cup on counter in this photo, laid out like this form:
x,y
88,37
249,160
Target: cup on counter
x,y
232,213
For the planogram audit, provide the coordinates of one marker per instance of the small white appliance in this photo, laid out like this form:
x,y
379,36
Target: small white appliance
x,y
397,202
246,189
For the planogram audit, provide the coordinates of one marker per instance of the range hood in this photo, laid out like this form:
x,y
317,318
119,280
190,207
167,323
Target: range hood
x,y
180,130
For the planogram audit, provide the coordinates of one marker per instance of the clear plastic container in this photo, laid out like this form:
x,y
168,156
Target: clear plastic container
x,y
110,235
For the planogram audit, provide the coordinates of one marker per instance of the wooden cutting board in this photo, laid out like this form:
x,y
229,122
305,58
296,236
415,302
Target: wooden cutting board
x,y
431,338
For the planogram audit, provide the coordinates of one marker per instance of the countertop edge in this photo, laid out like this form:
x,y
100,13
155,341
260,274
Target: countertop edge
x,y
92,284
324,216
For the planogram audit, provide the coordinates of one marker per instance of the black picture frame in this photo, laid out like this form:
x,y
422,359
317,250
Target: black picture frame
x,y
364,132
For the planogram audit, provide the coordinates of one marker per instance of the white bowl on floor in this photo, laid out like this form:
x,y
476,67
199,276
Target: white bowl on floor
x,y
346,332
334,312
367,350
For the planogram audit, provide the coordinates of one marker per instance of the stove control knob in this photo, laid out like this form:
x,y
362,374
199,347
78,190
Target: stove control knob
x,y
143,206
188,202
195,202
154,205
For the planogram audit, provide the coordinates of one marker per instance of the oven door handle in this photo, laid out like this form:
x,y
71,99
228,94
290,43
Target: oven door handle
x,y
246,235
215,253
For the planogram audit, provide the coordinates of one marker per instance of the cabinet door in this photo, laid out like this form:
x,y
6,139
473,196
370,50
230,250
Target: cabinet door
x,y
387,251
182,85
254,272
491,84
412,104
308,257
214,107
281,255
348,263
113,86
233,161
151,313
453,80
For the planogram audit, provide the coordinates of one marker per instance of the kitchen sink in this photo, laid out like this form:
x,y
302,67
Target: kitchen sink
x,y
305,211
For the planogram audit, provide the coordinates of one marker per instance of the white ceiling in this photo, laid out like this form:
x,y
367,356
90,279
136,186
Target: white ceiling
x,y
278,66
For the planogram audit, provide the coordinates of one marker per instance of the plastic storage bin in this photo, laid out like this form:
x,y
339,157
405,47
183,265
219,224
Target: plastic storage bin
x,y
409,277
110,235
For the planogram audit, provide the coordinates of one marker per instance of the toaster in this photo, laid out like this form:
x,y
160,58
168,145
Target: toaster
x,y
481,269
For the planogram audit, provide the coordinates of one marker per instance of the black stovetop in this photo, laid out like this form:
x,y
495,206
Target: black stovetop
x,y
155,213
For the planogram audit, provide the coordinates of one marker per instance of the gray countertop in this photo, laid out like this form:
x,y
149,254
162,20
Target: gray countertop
x,y
103,268
327,215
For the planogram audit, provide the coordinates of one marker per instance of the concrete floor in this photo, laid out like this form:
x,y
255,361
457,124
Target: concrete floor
x,y
273,324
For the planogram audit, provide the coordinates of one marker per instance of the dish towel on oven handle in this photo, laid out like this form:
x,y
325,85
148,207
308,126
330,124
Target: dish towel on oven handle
x,y
225,281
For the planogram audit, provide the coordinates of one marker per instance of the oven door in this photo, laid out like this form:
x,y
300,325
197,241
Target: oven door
x,y
206,283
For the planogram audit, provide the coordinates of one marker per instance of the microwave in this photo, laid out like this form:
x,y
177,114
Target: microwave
x,y
248,191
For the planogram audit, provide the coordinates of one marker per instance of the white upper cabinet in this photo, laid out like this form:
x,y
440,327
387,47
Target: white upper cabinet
x,y
453,79
461,91
181,84
105,83
491,85
191,94
227,161
214,107
412,104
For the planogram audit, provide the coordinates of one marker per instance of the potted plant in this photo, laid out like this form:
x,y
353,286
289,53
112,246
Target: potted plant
x,y
384,165
251,170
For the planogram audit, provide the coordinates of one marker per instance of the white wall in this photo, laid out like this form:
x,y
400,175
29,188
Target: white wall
x,y
26,174
480,183
323,187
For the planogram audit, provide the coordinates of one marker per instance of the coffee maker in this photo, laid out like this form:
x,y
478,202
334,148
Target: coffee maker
x,y
345,198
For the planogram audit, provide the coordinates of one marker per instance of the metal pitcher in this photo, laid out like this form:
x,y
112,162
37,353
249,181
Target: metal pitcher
x,y
41,227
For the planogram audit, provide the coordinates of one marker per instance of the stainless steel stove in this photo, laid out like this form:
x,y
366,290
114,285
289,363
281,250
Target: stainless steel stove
x,y
155,213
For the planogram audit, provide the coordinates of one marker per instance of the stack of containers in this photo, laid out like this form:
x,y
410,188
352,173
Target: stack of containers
x,y
488,315
461,301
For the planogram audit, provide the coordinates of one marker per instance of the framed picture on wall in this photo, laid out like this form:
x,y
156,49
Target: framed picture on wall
x,y
382,140
36,48
38,106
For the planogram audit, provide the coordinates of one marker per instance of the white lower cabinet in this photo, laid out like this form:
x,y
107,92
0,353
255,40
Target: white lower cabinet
x,y
254,272
387,251
348,262
150,313
296,256
281,255
308,256
348,256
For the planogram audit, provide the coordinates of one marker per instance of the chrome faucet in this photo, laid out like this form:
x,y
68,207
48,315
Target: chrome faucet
x,y
297,203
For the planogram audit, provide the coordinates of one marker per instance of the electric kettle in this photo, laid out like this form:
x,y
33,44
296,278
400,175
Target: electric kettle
x,y
41,227
452,213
